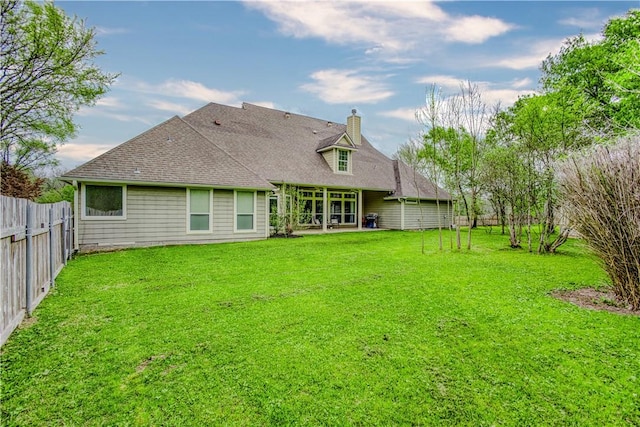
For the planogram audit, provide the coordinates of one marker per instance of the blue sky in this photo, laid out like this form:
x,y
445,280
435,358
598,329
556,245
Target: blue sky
x,y
319,59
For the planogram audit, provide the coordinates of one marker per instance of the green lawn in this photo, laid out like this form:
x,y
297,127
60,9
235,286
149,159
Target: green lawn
x,y
344,329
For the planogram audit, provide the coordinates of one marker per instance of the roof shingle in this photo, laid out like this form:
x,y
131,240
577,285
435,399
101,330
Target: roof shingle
x,y
249,147
171,153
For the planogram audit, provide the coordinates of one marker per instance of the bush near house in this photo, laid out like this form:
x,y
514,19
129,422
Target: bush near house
x,y
344,329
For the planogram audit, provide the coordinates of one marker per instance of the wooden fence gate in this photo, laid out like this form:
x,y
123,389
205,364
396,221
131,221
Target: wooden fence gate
x,y
36,242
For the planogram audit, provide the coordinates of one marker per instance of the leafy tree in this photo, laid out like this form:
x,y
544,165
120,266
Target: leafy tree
x,y
452,145
55,191
606,74
505,178
548,127
47,75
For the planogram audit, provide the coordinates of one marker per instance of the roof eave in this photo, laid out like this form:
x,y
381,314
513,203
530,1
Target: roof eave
x,y
71,179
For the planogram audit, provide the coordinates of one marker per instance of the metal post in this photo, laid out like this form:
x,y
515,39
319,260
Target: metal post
x,y
325,210
28,257
360,213
52,252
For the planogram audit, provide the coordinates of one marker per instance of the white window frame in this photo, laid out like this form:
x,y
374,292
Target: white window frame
x,y
83,211
188,219
348,152
235,211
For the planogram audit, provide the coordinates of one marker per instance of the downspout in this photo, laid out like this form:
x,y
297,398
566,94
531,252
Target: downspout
x,y
76,215
267,222
401,214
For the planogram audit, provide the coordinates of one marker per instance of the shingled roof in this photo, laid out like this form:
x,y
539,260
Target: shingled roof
x,y
281,146
410,184
250,147
170,153
335,142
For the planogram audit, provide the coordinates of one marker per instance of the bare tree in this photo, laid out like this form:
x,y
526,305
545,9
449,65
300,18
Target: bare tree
x,y
601,188
475,119
412,154
430,115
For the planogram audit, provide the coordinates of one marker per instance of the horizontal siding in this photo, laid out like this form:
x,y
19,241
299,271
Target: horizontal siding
x,y
425,215
329,157
157,215
388,210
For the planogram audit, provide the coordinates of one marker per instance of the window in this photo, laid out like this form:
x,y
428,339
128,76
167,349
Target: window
x,y
343,207
245,211
104,201
199,202
343,161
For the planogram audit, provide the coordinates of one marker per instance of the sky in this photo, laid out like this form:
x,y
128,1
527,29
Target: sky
x,y
321,59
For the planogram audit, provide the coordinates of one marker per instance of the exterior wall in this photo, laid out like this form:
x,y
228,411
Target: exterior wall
x,y
388,210
391,213
158,216
330,158
412,215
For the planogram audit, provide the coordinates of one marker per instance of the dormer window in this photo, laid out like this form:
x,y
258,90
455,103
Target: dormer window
x,y
337,151
343,161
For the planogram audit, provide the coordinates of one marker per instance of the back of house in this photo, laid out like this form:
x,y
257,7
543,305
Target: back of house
x,y
219,173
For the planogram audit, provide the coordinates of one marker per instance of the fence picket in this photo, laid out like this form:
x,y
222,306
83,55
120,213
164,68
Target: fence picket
x,y
35,244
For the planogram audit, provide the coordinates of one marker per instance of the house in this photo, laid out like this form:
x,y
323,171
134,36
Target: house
x,y
215,174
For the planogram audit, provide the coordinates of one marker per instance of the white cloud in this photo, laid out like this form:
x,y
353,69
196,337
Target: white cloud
x,y
536,53
475,29
265,104
109,102
172,107
121,116
406,114
82,151
346,87
189,90
395,31
450,83
590,19
520,83
505,97
491,93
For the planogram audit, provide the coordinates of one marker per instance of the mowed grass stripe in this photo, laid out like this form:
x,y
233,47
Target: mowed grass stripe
x,y
345,329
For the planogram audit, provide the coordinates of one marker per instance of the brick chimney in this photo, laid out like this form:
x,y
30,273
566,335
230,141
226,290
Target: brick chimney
x,y
353,127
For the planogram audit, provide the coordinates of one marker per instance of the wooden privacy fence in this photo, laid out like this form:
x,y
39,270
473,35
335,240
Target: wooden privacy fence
x,y
36,242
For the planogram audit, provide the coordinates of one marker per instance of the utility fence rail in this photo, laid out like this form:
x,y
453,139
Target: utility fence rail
x,y
36,242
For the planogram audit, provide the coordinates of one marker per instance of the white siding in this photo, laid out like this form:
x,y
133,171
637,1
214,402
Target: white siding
x,y
388,210
426,213
390,213
158,215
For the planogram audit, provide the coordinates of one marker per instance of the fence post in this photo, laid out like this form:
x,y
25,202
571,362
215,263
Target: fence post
x,y
63,234
28,258
52,251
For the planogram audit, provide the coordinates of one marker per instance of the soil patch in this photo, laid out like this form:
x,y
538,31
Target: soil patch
x,y
594,299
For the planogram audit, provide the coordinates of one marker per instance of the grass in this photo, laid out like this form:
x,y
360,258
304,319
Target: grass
x,y
346,329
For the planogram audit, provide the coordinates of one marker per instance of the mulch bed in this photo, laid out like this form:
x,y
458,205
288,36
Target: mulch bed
x,y
593,299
